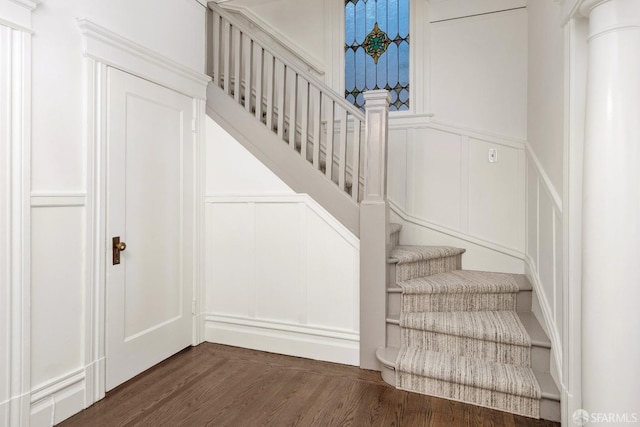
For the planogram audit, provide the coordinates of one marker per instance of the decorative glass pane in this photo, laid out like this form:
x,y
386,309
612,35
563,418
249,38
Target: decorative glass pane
x,y
377,50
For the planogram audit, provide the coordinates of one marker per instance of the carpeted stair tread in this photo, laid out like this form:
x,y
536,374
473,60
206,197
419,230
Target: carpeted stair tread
x,y
461,282
405,254
497,326
508,379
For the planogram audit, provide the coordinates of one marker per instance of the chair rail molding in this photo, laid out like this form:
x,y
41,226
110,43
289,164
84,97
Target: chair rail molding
x,y
15,211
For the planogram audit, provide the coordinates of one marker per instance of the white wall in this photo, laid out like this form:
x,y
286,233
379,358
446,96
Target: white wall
x,y
59,192
545,148
282,275
441,185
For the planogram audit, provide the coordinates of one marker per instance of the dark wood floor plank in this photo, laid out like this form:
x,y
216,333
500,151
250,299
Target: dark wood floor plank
x,y
215,385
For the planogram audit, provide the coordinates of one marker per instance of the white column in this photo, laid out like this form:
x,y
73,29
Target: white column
x,y
374,217
611,210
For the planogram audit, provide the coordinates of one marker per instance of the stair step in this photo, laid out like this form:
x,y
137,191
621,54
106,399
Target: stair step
x,y
461,282
405,254
460,290
534,330
497,326
509,379
408,262
492,336
549,393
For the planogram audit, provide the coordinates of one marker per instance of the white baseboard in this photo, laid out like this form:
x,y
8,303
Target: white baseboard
x,y
58,399
291,339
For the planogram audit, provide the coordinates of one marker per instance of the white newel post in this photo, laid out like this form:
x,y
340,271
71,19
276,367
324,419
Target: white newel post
x,y
611,211
374,239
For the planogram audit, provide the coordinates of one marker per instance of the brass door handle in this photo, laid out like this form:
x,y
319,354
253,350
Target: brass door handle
x,y
116,247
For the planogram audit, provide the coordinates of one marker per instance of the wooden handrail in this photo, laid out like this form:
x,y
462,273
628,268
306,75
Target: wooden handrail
x,y
312,79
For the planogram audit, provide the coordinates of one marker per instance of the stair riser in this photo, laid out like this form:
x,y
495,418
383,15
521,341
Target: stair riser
x,y
393,335
540,357
491,399
458,302
394,301
430,267
461,346
523,303
550,410
395,239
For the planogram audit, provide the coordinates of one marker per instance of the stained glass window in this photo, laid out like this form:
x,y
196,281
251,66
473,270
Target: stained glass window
x,y
377,50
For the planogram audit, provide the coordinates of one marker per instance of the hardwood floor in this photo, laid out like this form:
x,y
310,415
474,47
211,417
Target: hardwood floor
x,y
215,385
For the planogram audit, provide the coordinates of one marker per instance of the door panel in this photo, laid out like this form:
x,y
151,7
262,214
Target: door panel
x,y
150,207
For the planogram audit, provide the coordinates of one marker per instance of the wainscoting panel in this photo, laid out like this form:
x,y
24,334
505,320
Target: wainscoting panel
x,y
544,254
496,194
281,275
445,186
57,284
436,176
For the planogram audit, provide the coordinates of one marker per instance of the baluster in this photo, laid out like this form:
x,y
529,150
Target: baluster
x,y
246,60
236,43
281,79
304,116
227,57
342,155
293,105
269,69
355,167
217,41
237,52
317,127
258,52
330,134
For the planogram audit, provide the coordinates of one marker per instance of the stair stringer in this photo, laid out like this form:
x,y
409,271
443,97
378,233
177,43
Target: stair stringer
x,y
281,158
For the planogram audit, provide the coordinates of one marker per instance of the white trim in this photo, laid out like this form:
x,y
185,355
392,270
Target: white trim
x,y
454,233
548,185
16,14
102,49
27,4
477,134
276,37
58,199
336,225
58,399
112,49
576,32
547,312
15,138
332,345
199,268
15,26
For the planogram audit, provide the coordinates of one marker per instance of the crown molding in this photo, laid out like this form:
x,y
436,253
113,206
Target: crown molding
x,y
16,14
112,49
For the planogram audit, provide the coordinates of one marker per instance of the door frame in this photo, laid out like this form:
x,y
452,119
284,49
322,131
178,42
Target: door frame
x,y
103,49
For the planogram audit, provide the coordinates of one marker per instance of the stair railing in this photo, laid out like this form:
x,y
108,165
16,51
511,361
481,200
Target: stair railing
x,y
346,145
305,113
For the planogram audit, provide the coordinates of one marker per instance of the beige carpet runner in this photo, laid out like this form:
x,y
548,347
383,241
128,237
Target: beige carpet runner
x,y
461,338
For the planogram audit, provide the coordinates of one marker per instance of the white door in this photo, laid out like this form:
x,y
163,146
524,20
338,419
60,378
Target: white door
x,y
150,206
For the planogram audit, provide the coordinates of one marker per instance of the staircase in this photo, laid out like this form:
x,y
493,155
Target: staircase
x,y
464,335
438,330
